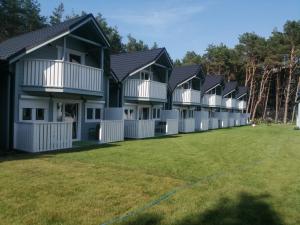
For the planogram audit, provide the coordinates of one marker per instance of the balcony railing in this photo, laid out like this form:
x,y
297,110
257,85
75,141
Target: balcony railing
x,y
145,89
242,105
42,136
187,96
229,103
212,100
111,131
57,75
187,125
139,128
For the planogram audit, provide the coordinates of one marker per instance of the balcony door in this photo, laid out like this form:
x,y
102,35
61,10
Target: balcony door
x,y
69,112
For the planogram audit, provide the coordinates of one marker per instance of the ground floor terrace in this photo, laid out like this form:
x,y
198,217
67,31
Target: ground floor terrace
x,y
188,179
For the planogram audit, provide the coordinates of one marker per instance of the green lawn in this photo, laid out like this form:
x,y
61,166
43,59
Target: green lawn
x,y
239,176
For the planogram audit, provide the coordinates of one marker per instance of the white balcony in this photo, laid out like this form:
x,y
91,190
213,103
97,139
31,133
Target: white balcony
x,y
42,136
139,128
145,90
186,96
229,103
62,76
187,125
211,100
242,105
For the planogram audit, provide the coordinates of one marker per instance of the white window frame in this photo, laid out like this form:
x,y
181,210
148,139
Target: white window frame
x,y
140,112
143,73
131,116
156,108
94,106
33,104
68,52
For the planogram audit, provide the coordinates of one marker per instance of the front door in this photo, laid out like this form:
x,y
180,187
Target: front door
x,y
69,112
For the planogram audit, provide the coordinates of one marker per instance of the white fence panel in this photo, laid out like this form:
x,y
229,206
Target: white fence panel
x,y
43,136
172,126
139,128
187,125
111,131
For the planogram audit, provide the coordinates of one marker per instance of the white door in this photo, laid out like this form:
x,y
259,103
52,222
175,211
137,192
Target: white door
x,y
64,112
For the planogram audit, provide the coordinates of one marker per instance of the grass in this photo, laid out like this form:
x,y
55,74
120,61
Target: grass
x,y
239,176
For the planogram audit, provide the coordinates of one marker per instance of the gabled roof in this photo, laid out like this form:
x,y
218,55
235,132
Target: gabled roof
x,y
21,44
242,91
212,81
230,87
124,64
181,74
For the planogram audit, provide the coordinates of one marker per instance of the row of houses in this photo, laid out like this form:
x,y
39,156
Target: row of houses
x,y
60,84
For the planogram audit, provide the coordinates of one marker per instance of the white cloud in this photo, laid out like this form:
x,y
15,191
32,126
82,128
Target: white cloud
x,y
158,18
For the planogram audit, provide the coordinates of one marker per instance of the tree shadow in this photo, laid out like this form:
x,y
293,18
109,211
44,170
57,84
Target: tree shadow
x,y
144,219
246,210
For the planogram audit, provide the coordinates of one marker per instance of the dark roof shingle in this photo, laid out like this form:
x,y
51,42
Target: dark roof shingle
x,y
241,91
229,87
212,81
183,73
20,44
125,63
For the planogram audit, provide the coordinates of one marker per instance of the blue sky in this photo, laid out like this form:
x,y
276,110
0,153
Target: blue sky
x,y
185,25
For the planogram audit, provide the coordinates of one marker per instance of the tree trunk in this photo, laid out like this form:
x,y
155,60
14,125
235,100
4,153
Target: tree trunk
x,y
288,90
263,82
294,107
277,97
266,101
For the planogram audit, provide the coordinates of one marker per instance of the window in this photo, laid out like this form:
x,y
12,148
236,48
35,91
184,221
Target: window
x,y
40,114
156,113
186,85
128,114
144,113
93,114
89,113
191,113
27,114
75,58
97,113
145,75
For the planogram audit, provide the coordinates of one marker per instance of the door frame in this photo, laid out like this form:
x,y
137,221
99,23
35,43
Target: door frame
x,y
70,101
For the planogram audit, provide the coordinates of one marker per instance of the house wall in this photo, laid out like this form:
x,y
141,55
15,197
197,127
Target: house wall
x,y
4,102
51,51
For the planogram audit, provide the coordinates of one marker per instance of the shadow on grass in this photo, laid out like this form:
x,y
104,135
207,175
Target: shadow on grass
x,y
20,155
246,210
144,219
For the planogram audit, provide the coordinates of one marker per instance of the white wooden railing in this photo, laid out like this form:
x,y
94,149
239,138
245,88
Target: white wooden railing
x,y
223,117
61,74
201,120
187,125
212,100
172,126
186,96
42,136
213,123
229,103
146,89
111,131
242,105
139,128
